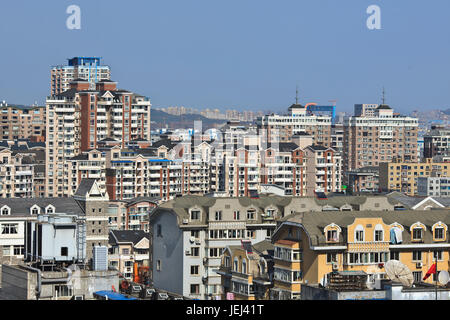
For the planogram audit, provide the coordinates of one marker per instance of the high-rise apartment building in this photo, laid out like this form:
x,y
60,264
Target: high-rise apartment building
x,y
370,140
437,142
300,120
85,68
81,117
22,122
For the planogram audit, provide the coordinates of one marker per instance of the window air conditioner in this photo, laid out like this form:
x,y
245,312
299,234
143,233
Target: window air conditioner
x,y
419,265
185,221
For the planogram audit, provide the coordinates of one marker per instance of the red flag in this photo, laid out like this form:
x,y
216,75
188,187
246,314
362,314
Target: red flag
x,y
431,271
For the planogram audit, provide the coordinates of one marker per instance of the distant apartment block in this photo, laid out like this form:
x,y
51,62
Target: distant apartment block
x,y
403,176
437,142
85,68
299,120
79,118
22,122
371,140
433,186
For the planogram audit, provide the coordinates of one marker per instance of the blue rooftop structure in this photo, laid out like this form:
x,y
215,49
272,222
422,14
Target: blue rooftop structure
x,y
111,295
84,61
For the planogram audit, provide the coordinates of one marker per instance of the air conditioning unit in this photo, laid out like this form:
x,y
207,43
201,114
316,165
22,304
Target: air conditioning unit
x,y
192,239
197,242
187,252
205,260
419,265
335,266
185,221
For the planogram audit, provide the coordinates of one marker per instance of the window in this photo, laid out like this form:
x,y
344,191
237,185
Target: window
x,y
244,266
378,235
63,291
195,288
417,276
215,252
395,255
64,251
194,270
158,265
417,256
10,228
50,209
236,265
236,215
195,215
227,261
332,235
359,234
18,250
218,215
195,251
158,230
331,257
6,250
5,211
417,234
439,233
437,254
195,234
251,214
125,251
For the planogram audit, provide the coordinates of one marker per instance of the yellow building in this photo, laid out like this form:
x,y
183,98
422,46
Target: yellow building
x,y
246,271
402,176
309,246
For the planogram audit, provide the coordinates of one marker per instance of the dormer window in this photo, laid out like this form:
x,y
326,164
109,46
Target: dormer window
x,y
332,232
378,233
417,231
35,210
417,234
359,233
439,231
195,214
50,209
332,235
6,211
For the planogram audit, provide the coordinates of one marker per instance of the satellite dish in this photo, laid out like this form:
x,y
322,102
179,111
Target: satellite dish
x,y
397,271
443,278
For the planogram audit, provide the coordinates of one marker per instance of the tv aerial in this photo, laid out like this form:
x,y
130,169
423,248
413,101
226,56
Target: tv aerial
x,y
397,271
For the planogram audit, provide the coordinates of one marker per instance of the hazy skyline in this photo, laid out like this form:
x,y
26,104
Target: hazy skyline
x,y
235,54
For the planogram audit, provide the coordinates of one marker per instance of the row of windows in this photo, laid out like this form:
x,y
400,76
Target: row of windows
x,y
359,235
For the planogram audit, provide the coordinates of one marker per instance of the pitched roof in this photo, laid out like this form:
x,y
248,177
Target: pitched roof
x,y
127,236
314,222
84,187
22,206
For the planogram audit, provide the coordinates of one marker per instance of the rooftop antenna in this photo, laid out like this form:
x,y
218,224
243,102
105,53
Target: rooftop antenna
x,y
383,97
398,272
296,94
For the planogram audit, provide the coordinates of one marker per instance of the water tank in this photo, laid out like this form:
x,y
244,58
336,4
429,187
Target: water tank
x,y
100,258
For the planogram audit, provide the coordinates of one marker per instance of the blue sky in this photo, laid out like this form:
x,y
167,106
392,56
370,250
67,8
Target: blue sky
x,y
246,54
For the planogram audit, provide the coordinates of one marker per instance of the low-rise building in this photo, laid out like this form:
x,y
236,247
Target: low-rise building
x,y
128,251
247,271
433,186
310,246
403,176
